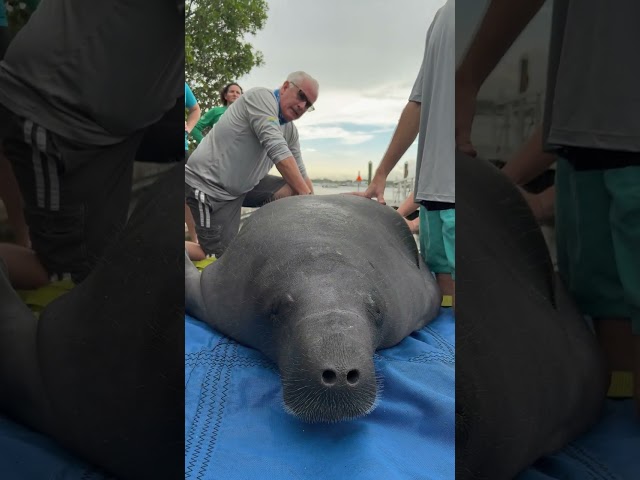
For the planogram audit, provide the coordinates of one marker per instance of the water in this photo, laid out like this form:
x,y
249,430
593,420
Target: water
x,y
393,195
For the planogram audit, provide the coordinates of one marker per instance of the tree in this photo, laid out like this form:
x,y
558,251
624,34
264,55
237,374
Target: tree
x,y
216,51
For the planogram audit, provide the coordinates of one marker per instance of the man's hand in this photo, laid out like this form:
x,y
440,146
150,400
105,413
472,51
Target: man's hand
x,y
541,204
289,170
414,225
374,190
465,111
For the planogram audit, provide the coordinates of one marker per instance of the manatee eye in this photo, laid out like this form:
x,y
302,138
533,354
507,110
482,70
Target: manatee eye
x,y
281,306
378,316
272,312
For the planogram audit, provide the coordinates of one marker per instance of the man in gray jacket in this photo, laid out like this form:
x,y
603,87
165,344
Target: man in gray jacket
x,y
229,168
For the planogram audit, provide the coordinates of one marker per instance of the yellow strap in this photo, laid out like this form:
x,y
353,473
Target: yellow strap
x,y
39,298
621,385
447,301
200,264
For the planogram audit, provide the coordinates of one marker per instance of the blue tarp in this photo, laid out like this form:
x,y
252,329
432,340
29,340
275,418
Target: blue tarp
x,y
236,427
27,455
610,451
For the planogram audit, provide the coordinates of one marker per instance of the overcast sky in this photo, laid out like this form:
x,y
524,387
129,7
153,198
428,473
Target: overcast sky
x,y
366,55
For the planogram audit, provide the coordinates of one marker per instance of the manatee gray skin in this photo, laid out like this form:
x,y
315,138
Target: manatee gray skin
x,y
529,374
102,370
318,284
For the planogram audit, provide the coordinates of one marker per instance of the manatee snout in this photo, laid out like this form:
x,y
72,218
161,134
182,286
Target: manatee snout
x,y
333,380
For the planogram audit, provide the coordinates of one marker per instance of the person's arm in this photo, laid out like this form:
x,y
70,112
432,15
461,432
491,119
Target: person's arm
x,y
207,120
190,104
289,170
192,118
541,204
210,118
307,180
262,111
502,23
196,133
529,161
405,134
293,142
408,206
204,122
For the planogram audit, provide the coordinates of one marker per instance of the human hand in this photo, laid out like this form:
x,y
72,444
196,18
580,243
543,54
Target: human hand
x,y
374,190
414,225
542,212
465,110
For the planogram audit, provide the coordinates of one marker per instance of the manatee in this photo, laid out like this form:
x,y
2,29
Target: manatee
x,y
530,376
101,371
318,284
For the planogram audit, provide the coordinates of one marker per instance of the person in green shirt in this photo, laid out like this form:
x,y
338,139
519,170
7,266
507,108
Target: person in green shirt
x,y
229,94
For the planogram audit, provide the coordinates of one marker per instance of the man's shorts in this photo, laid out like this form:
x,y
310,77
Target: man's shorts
x,y
217,222
598,239
438,240
76,197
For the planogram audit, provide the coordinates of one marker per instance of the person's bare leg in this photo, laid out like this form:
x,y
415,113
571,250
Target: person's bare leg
x,y
25,270
617,342
194,251
191,224
12,199
446,283
616,339
447,287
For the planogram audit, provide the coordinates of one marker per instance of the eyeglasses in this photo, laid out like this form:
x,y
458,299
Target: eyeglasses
x,y
303,98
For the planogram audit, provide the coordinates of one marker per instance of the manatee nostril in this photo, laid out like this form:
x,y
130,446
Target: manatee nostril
x,y
329,377
353,376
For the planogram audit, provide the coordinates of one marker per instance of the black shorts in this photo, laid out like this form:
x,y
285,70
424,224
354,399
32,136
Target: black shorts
x,y
76,196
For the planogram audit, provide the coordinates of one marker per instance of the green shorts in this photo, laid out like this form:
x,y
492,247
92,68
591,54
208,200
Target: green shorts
x,y
438,240
598,239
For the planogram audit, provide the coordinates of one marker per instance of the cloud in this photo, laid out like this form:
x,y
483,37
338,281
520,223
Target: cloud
x,y
353,107
365,54
337,133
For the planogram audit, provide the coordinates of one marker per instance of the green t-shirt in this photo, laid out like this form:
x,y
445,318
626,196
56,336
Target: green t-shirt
x,y
208,120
